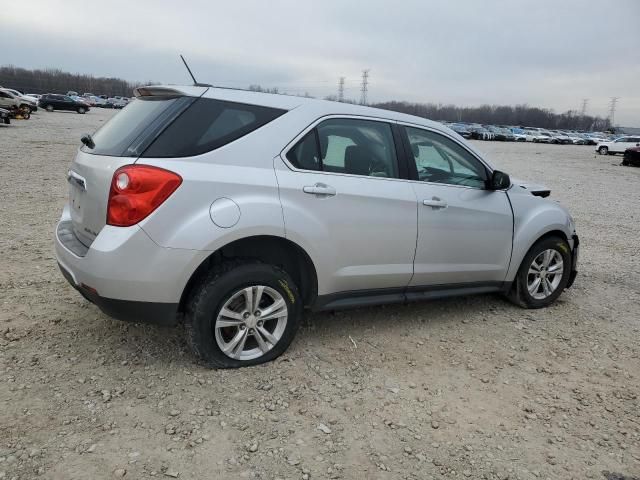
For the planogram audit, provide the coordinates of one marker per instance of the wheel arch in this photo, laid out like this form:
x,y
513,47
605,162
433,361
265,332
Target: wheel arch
x,y
269,249
516,261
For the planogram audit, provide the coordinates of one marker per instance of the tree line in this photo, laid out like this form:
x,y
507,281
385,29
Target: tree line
x,y
56,81
52,80
521,115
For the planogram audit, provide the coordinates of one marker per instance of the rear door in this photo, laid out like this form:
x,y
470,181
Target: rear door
x,y
464,231
345,201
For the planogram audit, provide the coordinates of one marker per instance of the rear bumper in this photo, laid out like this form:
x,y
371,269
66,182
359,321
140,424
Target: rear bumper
x,y
125,273
156,313
575,253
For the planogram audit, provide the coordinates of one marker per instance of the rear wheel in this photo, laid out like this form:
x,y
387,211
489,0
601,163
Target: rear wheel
x,y
543,274
49,108
243,314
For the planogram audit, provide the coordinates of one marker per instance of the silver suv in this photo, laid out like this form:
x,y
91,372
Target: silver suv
x,y
236,210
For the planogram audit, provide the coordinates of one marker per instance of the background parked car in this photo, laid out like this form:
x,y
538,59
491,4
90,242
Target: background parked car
x,y
480,133
8,100
114,102
632,157
619,145
4,116
84,100
24,100
460,129
52,101
519,134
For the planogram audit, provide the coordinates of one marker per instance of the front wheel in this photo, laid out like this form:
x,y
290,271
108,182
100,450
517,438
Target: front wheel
x,y
81,110
603,150
243,314
49,108
543,274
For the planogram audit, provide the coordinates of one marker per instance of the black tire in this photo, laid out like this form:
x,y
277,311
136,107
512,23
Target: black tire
x,y
603,150
81,110
49,108
216,288
519,293
625,162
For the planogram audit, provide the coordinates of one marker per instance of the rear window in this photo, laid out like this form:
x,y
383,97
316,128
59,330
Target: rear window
x,y
165,127
209,124
131,130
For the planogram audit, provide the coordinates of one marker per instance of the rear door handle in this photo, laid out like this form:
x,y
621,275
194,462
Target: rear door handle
x,y
435,202
319,189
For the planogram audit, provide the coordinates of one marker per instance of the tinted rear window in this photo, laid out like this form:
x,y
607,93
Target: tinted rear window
x,y
131,130
209,124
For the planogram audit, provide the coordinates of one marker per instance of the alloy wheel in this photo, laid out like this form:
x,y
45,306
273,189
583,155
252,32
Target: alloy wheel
x,y
545,274
251,322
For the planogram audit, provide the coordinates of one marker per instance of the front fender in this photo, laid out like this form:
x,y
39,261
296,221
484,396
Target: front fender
x,y
534,217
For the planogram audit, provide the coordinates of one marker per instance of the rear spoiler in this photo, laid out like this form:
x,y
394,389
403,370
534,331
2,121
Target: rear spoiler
x,y
162,91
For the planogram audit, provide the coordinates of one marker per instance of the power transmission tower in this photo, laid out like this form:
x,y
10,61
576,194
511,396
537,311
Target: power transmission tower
x,y
341,89
364,87
612,109
583,109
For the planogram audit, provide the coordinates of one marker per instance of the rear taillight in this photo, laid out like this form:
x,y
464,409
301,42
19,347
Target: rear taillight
x,y
136,191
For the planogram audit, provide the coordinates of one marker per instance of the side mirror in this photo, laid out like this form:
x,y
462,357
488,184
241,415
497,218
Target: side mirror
x,y
498,181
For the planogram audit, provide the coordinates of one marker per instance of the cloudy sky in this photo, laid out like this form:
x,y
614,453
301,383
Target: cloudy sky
x,y
549,53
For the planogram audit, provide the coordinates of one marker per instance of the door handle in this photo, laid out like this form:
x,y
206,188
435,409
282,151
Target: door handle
x,y
319,189
435,202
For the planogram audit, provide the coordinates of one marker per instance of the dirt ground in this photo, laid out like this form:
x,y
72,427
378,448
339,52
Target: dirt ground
x,y
461,388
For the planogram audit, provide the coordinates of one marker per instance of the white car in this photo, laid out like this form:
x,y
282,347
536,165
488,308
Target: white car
x,y
24,99
619,145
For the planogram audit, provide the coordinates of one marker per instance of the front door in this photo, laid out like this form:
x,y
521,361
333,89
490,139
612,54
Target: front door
x,y
464,230
344,202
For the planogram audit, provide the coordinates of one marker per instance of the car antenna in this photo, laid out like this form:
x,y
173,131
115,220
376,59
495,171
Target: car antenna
x,y
195,82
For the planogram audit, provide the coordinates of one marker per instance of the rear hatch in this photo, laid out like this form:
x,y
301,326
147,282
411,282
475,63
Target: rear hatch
x,y
119,142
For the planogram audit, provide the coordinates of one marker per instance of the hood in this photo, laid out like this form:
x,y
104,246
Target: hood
x,y
535,189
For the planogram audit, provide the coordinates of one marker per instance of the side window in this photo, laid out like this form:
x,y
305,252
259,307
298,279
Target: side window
x,y
356,147
304,154
439,159
209,124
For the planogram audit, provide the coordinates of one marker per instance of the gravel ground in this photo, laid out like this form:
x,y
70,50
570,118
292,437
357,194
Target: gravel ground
x,y
460,388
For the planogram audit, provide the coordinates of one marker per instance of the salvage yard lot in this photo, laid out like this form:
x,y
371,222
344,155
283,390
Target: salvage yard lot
x,y
461,388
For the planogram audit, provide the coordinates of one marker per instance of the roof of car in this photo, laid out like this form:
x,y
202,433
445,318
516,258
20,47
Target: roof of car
x,y
290,102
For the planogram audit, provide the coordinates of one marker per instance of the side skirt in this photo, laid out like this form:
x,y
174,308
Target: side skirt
x,y
368,298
